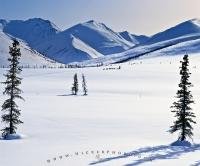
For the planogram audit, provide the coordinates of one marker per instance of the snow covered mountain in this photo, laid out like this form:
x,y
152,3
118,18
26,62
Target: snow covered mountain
x,y
190,27
181,39
81,42
100,37
136,39
68,48
2,24
187,44
33,31
98,40
94,42
29,57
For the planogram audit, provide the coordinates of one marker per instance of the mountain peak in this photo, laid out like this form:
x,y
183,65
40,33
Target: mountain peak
x,y
190,27
3,23
195,21
124,32
33,31
136,39
193,24
93,23
43,21
89,24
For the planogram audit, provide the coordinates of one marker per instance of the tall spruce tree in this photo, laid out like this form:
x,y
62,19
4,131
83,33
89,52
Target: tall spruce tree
x,y
84,86
75,85
11,112
181,108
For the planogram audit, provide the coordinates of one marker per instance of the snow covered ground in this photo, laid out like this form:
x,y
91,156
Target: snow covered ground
x,y
126,111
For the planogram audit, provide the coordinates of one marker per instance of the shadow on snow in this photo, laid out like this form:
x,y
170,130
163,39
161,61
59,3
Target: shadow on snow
x,y
197,163
149,154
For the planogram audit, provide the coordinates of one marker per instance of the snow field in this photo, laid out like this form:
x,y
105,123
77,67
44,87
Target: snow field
x,y
127,110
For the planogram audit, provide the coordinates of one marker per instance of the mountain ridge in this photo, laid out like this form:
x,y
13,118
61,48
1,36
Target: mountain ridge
x,y
94,40
185,28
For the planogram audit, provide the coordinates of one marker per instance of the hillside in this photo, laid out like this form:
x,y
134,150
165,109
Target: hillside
x,y
34,31
181,39
95,35
29,57
136,39
46,38
186,28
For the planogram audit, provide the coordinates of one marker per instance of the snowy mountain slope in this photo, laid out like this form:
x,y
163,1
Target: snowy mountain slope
x,y
183,44
33,31
186,28
97,39
78,44
100,37
183,38
94,39
187,43
187,47
68,48
3,23
29,57
136,39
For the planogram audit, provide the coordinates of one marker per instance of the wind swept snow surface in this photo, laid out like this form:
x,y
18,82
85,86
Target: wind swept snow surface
x,y
127,111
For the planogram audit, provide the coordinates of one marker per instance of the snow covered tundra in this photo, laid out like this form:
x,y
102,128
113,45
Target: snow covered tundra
x,y
123,121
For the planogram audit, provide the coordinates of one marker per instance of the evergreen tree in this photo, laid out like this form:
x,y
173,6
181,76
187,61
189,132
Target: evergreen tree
x,y
75,85
84,86
181,108
11,112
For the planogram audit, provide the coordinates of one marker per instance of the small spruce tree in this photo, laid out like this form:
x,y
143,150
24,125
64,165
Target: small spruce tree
x,y
10,110
84,86
181,108
75,85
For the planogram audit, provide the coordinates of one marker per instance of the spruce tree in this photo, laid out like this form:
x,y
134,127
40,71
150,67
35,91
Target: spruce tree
x,y
181,108
75,85
10,110
84,86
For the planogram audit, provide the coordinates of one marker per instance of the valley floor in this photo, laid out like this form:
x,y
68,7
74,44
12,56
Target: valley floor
x,y
126,111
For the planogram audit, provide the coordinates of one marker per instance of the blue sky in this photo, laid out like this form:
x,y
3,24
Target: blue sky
x,y
136,16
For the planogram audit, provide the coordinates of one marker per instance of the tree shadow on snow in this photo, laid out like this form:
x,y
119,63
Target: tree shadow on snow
x,y
197,163
67,95
149,154
70,95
